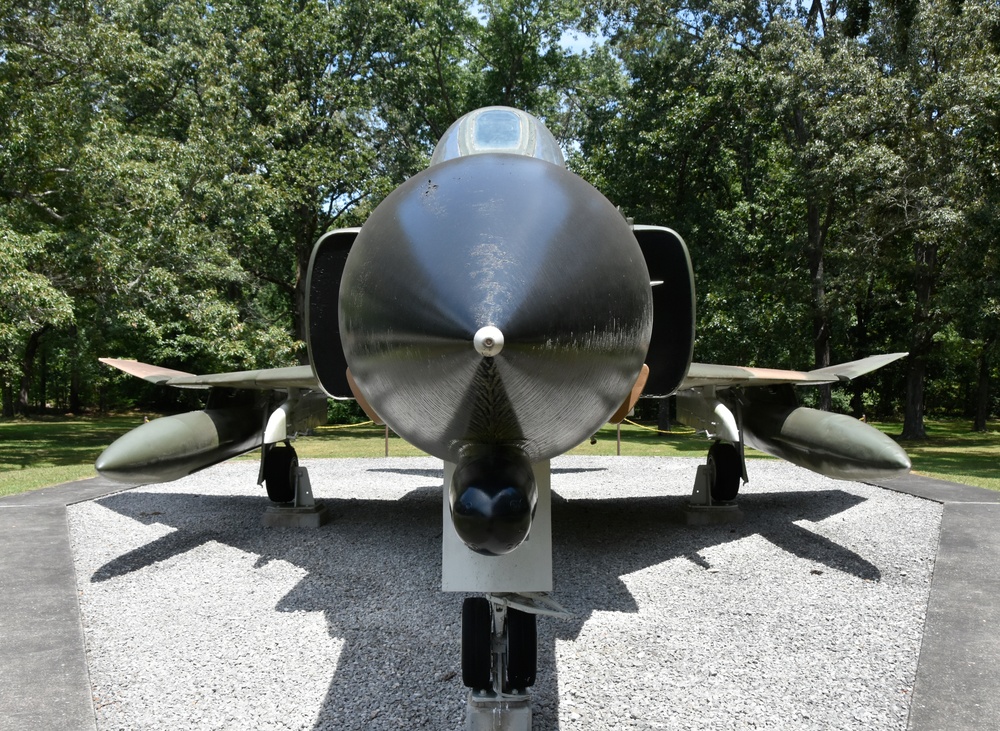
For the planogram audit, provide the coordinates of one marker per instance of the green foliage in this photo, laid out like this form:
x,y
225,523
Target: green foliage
x,y
28,300
829,169
344,412
166,167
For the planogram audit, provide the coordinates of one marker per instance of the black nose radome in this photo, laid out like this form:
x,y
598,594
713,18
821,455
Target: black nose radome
x,y
493,497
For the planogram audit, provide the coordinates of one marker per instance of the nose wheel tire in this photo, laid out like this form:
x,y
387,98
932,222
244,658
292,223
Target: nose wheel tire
x,y
280,467
477,636
522,649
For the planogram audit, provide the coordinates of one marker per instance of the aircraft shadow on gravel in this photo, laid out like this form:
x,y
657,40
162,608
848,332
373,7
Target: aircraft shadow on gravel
x,y
405,659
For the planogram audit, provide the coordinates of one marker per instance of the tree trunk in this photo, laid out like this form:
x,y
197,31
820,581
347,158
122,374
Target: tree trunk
x,y
306,239
925,257
663,415
983,390
821,321
861,346
75,405
913,418
8,401
43,382
817,227
28,370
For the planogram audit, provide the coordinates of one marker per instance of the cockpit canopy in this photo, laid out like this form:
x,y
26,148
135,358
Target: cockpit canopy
x,y
498,129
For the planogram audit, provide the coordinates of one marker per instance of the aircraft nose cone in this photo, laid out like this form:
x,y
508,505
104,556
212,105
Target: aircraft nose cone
x,y
493,498
524,261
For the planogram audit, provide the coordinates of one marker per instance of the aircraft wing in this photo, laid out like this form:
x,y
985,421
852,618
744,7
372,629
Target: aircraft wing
x,y
171,447
725,376
264,379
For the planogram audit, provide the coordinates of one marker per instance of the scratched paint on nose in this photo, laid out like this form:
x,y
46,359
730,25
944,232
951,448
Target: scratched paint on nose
x,y
492,212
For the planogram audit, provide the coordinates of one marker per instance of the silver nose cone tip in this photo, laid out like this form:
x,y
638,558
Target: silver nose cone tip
x,y
488,341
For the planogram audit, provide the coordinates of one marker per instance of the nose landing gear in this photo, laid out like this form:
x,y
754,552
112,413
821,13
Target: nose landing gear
x,y
500,657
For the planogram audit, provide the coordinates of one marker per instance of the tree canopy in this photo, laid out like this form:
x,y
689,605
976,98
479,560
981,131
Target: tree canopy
x,y
166,167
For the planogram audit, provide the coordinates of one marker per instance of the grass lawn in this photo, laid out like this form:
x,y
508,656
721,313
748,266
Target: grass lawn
x,y
952,452
48,451
37,453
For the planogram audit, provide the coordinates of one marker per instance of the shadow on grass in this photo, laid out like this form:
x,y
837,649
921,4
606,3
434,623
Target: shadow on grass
x,y
59,442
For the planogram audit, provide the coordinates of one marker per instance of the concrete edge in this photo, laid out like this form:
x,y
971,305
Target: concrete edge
x,y
955,686
42,637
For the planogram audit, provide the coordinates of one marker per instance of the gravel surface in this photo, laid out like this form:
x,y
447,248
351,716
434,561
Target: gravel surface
x,y
807,616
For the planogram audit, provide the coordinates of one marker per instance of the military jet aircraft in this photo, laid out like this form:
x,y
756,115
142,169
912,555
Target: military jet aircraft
x,y
495,311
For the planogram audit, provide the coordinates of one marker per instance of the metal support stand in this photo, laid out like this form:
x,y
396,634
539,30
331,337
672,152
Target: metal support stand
x,y
494,710
702,510
304,512
488,711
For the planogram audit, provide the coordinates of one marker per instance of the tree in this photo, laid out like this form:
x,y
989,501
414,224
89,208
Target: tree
x,y
29,306
517,58
944,54
748,128
45,108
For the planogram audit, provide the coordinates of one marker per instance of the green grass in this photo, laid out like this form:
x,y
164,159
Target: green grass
x,y
364,440
637,441
952,452
37,453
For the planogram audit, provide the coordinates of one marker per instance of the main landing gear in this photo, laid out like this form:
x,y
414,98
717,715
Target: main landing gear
x,y
716,485
726,471
290,490
500,657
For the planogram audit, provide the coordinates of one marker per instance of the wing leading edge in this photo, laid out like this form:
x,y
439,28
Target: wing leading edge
x,y
265,379
725,376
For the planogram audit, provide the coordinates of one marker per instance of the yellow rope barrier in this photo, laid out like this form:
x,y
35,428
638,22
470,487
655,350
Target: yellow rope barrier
x,y
345,426
647,428
367,423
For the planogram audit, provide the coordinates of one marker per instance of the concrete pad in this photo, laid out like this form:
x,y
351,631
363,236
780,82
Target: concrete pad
x,y
281,516
939,491
957,684
713,515
65,494
46,683
488,712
